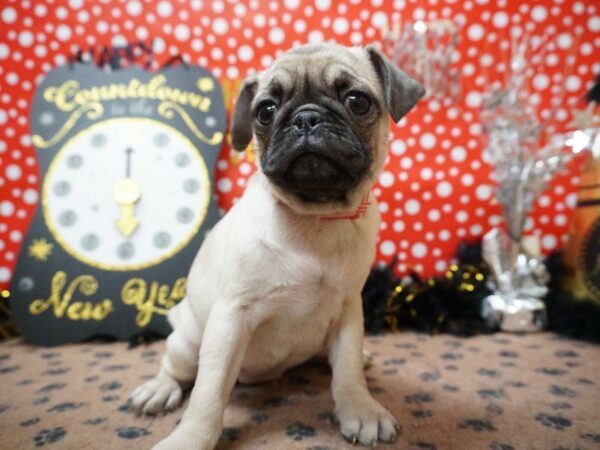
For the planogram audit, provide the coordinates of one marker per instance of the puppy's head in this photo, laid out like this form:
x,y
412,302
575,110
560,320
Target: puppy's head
x,y
319,117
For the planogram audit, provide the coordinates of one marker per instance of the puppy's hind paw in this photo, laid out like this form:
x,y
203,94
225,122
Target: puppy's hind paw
x,y
160,394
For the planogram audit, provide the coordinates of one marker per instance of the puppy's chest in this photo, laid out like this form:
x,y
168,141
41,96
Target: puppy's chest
x,y
304,285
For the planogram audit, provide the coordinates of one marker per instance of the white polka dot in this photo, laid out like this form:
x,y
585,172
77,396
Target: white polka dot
x,y
245,168
427,141
102,27
386,179
15,236
475,32
12,78
75,4
276,36
315,37
245,53
398,226
500,19
340,25
458,154
412,207
434,215
444,235
379,20
30,196
419,250
441,266
292,4
544,201
560,220
473,99
118,40
539,13
322,5
443,189
483,192
387,248
426,173
224,185
406,162
164,9
220,26
299,26
7,208
398,147
26,38
564,41
9,15
133,8
13,172
571,200
63,33
467,179
573,83
259,20
593,24
578,8
4,51
462,216
549,242
182,32
4,274
541,81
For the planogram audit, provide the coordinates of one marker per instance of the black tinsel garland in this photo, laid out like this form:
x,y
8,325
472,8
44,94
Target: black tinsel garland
x,y
451,303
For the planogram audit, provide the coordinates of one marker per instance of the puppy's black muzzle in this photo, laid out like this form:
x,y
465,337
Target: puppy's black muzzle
x,y
316,157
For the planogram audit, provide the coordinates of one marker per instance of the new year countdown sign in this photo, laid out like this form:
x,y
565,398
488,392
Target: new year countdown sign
x,y
127,161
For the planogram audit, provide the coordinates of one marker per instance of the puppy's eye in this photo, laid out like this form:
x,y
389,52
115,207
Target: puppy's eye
x,y
266,112
358,102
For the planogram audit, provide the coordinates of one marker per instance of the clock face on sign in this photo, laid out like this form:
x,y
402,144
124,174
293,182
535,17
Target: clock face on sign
x,y
125,194
127,162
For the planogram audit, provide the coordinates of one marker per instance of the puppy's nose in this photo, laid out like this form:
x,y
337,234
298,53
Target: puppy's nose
x,y
306,120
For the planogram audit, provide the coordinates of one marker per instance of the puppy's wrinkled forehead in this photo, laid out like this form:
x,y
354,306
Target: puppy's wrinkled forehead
x,y
321,69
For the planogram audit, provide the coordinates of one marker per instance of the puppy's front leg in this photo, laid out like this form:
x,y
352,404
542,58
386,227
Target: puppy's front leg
x,y
224,344
360,416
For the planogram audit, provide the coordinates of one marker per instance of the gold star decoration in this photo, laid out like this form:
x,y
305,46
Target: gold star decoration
x,y
40,249
205,84
585,118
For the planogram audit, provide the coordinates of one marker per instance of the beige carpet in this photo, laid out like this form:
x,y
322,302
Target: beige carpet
x,y
491,392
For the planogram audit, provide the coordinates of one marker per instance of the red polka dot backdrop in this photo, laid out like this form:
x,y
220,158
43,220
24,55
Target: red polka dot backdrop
x,y
435,190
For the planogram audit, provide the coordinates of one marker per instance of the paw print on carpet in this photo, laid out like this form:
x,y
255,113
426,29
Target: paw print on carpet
x,y
132,432
49,436
300,431
477,425
556,422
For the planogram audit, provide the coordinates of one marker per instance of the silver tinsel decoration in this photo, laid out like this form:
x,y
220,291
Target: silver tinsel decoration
x,y
427,50
525,155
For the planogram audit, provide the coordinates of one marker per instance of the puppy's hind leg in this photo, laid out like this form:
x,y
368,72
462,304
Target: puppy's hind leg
x,y
177,371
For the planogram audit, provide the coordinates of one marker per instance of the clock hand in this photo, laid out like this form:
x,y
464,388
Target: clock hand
x,y
127,193
128,153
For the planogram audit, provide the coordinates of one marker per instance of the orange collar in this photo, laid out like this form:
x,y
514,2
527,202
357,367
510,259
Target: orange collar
x,y
360,211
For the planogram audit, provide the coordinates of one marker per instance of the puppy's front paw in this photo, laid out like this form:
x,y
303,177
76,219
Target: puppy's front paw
x,y
362,419
161,393
178,441
191,436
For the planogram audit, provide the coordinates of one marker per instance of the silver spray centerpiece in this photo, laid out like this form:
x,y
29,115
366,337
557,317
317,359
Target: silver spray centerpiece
x,y
525,154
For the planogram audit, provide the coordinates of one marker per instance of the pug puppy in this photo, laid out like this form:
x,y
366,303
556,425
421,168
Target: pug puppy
x,y
278,280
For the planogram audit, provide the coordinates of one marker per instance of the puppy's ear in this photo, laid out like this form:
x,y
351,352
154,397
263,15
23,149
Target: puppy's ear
x,y
241,125
400,91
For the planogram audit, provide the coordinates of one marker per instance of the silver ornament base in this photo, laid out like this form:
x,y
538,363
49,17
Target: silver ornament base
x,y
526,315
